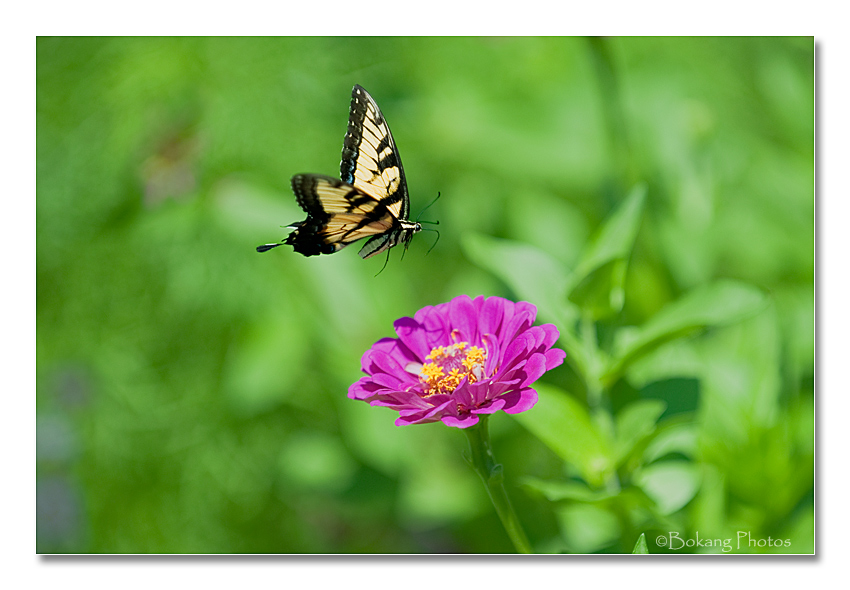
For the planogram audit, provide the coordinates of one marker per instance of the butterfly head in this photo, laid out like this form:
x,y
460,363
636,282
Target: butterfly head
x,y
414,228
408,229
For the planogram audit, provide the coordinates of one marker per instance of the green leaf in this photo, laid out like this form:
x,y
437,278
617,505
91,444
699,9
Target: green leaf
x,y
535,277
597,283
718,303
556,491
616,236
670,484
601,292
672,438
640,546
587,527
530,272
634,423
564,426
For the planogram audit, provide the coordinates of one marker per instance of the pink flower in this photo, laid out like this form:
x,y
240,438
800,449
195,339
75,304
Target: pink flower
x,y
456,360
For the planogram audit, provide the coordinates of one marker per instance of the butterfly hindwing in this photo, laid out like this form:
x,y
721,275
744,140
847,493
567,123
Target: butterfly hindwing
x,y
371,200
337,214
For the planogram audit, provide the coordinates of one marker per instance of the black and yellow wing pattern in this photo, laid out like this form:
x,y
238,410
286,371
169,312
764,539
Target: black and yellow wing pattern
x,y
370,200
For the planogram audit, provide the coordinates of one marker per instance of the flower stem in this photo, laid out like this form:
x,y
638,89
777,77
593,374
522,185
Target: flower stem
x,y
591,351
482,461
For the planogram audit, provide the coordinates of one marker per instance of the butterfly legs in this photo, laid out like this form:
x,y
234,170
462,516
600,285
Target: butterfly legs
x,y
385,262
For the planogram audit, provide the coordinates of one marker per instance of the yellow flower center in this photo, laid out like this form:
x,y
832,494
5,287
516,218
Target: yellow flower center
x,y
449,365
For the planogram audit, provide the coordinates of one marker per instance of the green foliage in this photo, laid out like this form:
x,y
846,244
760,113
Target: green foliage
x,y
631,471
716,304
640,546
652,196
565,426
598,279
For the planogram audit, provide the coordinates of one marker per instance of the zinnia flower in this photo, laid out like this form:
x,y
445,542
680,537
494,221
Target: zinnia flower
x,y
456,360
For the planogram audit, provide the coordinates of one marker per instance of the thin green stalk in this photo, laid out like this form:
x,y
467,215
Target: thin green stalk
x,y
482,460
604,62
591,351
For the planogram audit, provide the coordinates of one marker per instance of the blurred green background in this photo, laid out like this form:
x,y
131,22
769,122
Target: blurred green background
x,y
191,393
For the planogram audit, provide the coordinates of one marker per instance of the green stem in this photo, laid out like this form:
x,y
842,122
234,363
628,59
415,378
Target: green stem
x,y
481,459
615,120
591,351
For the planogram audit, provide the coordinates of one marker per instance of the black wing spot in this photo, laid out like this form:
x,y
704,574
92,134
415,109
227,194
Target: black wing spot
x,y
387,161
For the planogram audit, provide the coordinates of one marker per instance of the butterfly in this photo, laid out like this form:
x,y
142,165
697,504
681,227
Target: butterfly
x,y
371,199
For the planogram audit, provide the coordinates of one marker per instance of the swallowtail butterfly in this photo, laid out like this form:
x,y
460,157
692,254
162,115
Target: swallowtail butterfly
x,y
371,199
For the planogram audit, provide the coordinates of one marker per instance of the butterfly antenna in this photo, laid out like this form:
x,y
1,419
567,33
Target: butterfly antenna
x,y
435,241
426,208
385,262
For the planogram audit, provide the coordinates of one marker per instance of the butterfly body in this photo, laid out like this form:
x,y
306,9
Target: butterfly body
x,y
371,199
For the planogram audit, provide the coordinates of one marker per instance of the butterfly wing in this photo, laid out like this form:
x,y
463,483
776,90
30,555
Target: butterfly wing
x,y
337,215
370,160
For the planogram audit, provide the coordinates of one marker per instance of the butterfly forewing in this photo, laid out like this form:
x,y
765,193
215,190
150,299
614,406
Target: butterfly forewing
x,y
370,160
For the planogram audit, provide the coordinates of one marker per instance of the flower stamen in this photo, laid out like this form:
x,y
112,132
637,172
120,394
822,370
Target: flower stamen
x,y
450,365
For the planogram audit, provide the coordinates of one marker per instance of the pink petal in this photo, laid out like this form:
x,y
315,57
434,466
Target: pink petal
x,y
489,391
462,394
388,364
520,401
480,393
524,307
554,357
463,318
417,416
436,326
401,401
515,352
391,346
363,388
521,319
411,333
491,344
490,316
385,344
461,422
402,421
536,335
552,335
490,407
534,369
420,315
387,380
478,303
